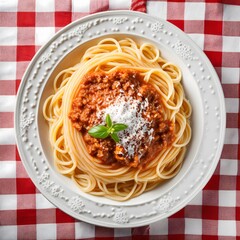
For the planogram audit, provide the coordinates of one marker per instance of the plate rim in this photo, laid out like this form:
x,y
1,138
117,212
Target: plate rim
x,y
80,21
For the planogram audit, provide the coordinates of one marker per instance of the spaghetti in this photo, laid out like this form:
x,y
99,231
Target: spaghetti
x,y
71,155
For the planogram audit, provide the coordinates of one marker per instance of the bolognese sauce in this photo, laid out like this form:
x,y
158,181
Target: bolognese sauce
x,y
128,99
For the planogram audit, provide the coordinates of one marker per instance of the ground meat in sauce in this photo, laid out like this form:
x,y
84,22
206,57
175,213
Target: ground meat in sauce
x,y
99,91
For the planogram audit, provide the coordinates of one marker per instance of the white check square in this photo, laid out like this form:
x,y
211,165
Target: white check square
x,y
229,167
159,228
8,202
8,232
46,231
122,232
226,228
45,6
8,6
230,75
232,105
198,39
8,36
7,136
194,11
231,136
7,70
8,169
42,202
157,9
7,103
43,34
227,198
231,12
231,44
193,226
123,4
197,200
84,230
81,6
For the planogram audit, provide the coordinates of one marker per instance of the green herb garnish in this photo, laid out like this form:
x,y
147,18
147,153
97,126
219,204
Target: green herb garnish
x,y
110,129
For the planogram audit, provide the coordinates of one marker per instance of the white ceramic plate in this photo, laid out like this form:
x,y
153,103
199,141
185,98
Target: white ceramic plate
x,y
202,88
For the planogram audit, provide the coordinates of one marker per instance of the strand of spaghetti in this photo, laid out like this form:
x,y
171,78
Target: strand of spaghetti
x,y
173,70
151,53
68,71
165,77
166,174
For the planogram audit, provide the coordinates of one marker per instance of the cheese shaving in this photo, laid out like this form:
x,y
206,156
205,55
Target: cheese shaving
x,y
129,111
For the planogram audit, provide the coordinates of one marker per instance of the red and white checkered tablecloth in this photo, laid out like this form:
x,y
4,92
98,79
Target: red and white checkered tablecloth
x,y
25,25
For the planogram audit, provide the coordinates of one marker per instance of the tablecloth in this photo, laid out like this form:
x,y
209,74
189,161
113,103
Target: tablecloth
x,y
25,25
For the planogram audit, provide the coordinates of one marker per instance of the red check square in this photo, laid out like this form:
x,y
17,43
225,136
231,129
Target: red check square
x,y
213,184
25,186
25,53
210,212
178,23
215,58
62,18
26,19
213,27
26,217
62,217
179,214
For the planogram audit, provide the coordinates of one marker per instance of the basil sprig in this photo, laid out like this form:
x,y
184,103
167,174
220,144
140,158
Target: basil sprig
x,y
110,129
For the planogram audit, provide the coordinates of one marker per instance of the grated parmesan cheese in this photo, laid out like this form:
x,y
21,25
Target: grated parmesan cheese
x,y
129,111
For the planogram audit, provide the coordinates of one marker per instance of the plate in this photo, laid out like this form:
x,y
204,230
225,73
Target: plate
x,y
202,88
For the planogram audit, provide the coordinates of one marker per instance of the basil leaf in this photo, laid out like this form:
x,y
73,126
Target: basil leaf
x,y
99,131
108,121
119,127
111,129
115,137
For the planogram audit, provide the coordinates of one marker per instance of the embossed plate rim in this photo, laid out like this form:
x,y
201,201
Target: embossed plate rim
x,y
46,58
